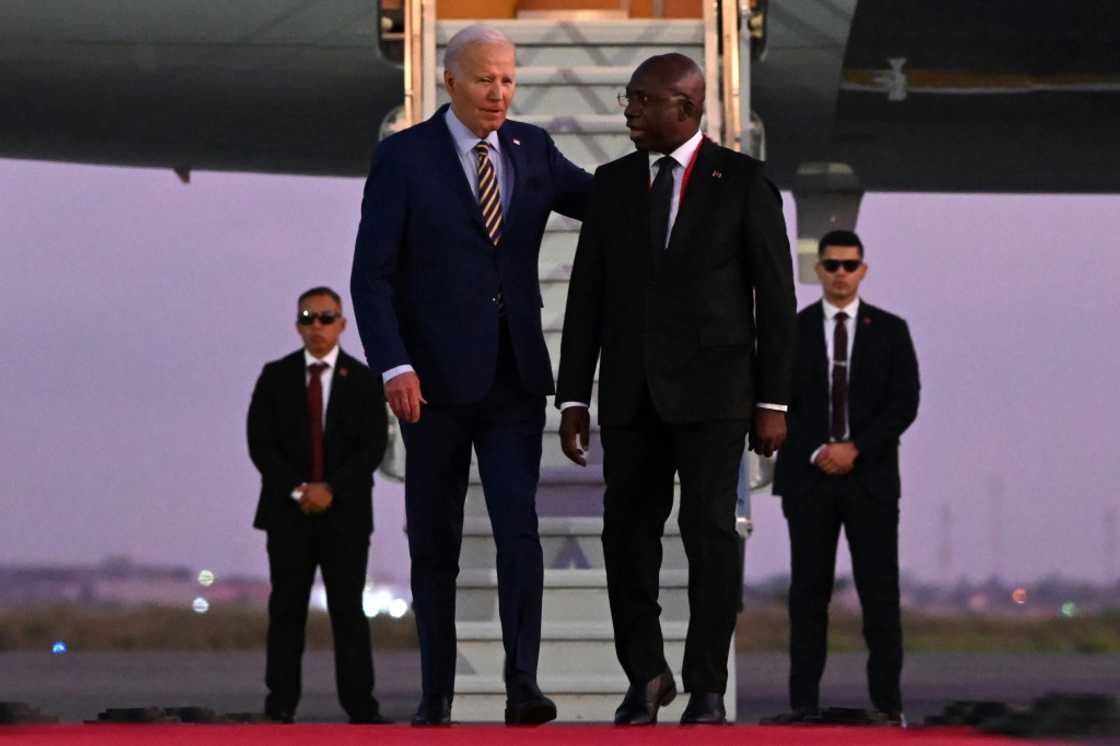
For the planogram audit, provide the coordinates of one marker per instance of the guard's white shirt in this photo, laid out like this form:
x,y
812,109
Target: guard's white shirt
x,y
830,311
325,377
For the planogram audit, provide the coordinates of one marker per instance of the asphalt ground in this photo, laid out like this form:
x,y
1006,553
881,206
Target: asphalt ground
x,y
76,686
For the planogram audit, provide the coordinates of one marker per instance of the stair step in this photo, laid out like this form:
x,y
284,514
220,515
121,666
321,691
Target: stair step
x,y
551,32
558,222
584,124
563,526
554,271
567,543
565,579
558,248
573,75
579,698
566,649
562,632
569,596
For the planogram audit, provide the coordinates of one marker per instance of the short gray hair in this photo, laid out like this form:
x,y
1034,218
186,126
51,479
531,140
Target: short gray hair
x,y
477,33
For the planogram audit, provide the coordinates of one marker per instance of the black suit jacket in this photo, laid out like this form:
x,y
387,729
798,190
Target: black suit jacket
x,y
883,394
708,323
353,443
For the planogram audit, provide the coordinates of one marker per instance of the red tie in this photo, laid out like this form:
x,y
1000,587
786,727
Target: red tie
x,y
315,418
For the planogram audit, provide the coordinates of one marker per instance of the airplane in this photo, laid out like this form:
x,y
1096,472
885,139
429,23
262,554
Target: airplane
x,y
913,95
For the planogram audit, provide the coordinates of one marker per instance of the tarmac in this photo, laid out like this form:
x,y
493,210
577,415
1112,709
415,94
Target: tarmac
x,y
76,686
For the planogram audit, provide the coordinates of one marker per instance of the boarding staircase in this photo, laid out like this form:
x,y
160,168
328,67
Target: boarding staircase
x,y
568,77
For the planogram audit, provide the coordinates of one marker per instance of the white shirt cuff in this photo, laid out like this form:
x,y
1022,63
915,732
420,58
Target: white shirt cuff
x,y
567,404
297,493
394,372
813,457
775,407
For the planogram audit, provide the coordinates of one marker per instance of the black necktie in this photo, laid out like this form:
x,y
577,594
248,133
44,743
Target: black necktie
x,y
840,378
660,202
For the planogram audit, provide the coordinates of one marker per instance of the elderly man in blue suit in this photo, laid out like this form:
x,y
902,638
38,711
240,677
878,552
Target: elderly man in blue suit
x,y
448,304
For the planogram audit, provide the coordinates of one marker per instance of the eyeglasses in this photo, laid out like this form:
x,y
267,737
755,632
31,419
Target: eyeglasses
x,y
849,265
326,318
644,99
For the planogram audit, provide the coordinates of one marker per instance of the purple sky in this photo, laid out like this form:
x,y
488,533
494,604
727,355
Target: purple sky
x,y
140,310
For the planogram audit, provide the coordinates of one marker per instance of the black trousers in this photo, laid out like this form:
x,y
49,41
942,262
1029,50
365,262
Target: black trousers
x,y
639,462
293,556
871,526
505,429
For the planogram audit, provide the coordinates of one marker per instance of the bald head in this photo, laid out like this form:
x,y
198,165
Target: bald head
x,y
682,75
665,102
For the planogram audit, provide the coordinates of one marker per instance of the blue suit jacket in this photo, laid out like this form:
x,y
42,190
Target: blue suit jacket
x,y
425,275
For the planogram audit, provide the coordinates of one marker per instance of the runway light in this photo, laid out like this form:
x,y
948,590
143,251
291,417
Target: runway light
x,y
1069,609
375,602
398,607
59,648
1019,596
206,578
200,605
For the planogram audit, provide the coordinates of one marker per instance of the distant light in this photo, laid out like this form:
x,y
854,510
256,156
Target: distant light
x,y
375,602
200,605
1019,596
206,578
59,648
1069,609
977,602
398,607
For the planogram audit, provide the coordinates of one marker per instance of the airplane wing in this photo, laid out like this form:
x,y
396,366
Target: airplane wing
x,y
952,95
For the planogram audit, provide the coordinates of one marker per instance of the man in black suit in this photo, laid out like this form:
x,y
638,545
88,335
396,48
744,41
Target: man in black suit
x,y
682,285
317,431
855,393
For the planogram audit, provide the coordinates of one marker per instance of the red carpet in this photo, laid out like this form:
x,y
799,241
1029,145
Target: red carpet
x,y
555,735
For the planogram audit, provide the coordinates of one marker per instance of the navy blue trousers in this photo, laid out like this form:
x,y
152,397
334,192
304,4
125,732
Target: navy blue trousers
x,y
505,430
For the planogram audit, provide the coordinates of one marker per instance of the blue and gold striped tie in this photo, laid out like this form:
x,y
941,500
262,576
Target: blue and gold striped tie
x,y
489,195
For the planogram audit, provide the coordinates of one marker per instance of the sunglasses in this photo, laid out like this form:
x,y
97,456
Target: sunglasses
x,y
849,265
326,318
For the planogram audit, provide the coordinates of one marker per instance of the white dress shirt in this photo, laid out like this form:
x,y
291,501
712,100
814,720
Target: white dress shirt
x,y
830,311
682,156
465,140
325,377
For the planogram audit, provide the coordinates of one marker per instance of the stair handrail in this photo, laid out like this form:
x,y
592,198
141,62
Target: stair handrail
x,y
731,15
419,59
713,114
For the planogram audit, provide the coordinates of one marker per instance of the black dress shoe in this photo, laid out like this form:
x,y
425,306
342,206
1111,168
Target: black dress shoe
x,y
893,718
641,703
433,710
370,714
798,716
280,715
704,708
534,710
